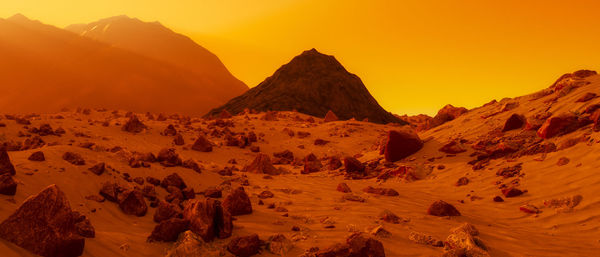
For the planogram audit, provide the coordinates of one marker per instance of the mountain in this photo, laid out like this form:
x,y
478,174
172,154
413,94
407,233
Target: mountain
x,y
154,40
44,69
312,83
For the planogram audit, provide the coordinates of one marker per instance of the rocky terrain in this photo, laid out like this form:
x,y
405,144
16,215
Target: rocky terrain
x,y
515,177
312,83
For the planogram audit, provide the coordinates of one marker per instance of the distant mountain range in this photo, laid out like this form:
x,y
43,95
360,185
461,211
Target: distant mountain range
x,y
119,63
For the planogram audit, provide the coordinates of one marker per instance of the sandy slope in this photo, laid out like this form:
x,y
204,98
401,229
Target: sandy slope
x,y
505,230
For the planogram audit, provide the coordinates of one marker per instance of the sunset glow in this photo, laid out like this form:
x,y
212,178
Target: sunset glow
x,y
414,56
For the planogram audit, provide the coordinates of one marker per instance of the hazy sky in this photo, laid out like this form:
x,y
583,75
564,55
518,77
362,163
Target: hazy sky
x,y
414,56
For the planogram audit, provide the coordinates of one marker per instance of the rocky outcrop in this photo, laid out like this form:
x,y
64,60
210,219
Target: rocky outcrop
x,y
314,84
401,144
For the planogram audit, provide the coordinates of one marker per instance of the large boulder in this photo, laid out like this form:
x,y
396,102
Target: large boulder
x,y
515,121
261,165
356,245
173,180
168,157
244,246
8,186
208,219
5,164
441,209
401,144
45,225
237,202
168,230
132,202
447,113
202,144
560,125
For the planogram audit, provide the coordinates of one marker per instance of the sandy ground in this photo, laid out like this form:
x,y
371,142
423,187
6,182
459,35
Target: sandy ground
x,y
505,230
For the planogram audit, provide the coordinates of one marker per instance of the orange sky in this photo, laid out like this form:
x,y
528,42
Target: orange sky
x,y
414,56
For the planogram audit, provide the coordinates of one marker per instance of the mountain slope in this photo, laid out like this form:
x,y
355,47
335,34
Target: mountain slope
x,y
312,83
44,69
156,41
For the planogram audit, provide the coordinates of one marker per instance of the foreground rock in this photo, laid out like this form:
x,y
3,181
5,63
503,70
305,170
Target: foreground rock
x,y
37,157
168,230
5,164
357,245
202,144
45,225
401,144
132,202
237,202
464,241
8,186
244,246
208,219
560,125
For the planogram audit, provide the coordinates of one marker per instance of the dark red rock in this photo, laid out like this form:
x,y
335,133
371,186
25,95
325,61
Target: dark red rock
x,y
284,157
45,225
261,165
441,208
389,217
132,202
462,181
311,164
320,141
515,121
73,158
213,192
208,219
447,113
363,245
237,202
8,186
168,230
202,144
37,157
133,125
244,246
330,116
83,225
560,125
352,165
344,188
110,191
168,157
562,161
498,199
165,211
588,96
173,180
153,181
191,164
334,163
6,166
170,130
453,147
178,140
511,192
401,144
380,191
98,169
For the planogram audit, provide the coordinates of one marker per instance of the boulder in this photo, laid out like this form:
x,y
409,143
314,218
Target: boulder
x,y
37,157
208,219
344,188
244,246
45,225
5,164
330,116
261,165
73,158
202,144
168,157
98,169
311,164
453,147
515,121
8,186
441,209
560,125
401,144
173,180
237,202
380,191
165,211
352,165
170,130
168,230
132,202
133,125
